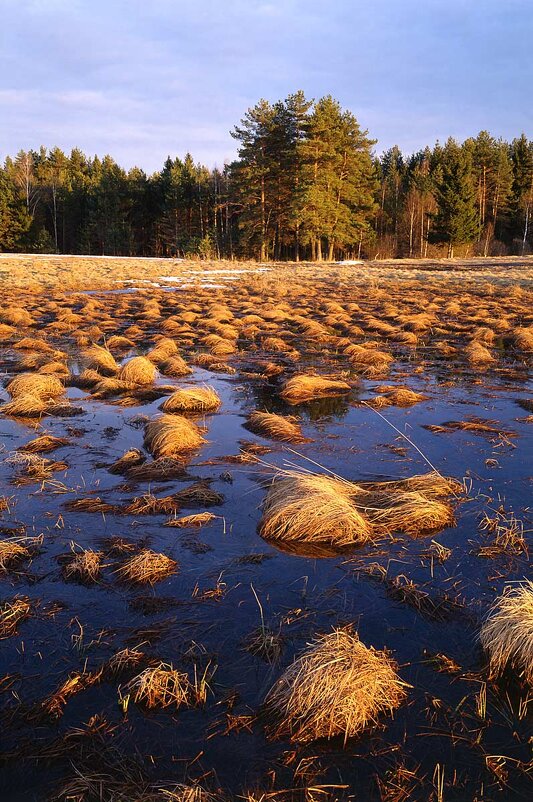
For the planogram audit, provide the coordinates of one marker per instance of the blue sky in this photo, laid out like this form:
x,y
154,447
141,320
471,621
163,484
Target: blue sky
x,y
141,79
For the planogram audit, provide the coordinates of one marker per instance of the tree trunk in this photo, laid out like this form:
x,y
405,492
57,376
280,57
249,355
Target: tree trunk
x,y
319,250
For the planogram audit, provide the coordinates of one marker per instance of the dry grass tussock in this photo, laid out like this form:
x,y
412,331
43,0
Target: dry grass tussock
x,y
338,686
84,566
192,399
36,385
313,508
25,406
131,458
147,567
276,427
398,397
477,354
161,686
15,551
304,388
12,613
507,632
101,360
194,521
522,338
169,435
138,370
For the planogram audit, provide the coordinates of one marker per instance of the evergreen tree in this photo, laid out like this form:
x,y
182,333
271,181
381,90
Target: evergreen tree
x,y
456,220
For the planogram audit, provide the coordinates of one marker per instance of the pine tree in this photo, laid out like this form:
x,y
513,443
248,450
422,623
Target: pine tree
x,y
456,220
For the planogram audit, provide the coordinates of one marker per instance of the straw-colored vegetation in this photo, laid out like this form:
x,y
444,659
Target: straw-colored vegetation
x,y
147,567
313,508
507,631
169,435
160,686
192,399
13,613
305,388
84,566
276,427
138,370
336,687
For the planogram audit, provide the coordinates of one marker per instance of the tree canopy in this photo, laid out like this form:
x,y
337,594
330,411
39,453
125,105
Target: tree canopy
x,y
305,185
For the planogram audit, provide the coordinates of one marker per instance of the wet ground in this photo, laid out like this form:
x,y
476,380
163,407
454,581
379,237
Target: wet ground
x,y
444,740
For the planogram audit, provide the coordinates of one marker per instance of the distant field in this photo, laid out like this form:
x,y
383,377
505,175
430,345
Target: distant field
x,y
92,272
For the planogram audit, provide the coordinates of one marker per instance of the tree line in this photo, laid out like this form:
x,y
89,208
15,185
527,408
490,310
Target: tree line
x,y
305,185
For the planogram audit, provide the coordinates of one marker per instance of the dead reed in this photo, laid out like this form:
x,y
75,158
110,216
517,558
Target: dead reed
x,y
337,686
276,427
13,613
303,388
507,631
192,399
169,435
146,568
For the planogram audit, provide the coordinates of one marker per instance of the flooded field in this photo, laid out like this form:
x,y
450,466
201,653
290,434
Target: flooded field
x,y
252,523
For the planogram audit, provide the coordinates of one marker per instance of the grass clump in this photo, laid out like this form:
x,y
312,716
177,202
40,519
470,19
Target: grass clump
x,y
507,632
12,613
194,521
169,435
101,360
313,508
44,444
147,567
160,686
84,566
36,385
305,388
192,399
276,427
138,370
338,686
131,458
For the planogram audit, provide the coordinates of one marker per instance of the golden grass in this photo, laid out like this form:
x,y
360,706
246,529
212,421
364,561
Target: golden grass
x,y
44,444
15,551
432,485
507,632
119,342
305,388
101,360
160,469
313,508
277,427
35,384
85,566
160,686
131,458
522,338
175,367
162,351
409,512
25,406
194,521
478,354
138,370
147,567
192,399
169,435
336,687
110,386
398,397
12,613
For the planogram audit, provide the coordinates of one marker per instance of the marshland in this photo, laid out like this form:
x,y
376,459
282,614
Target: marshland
x,y
265,530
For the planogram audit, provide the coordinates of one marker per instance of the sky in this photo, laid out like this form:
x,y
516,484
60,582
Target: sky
x,y
144,79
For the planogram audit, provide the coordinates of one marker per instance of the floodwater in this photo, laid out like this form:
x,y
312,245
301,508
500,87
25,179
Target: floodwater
x,y
438,733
